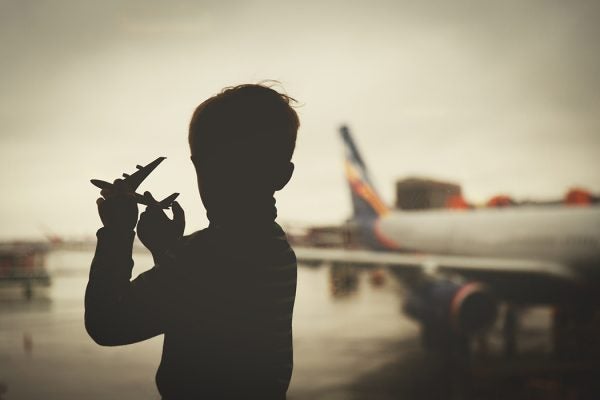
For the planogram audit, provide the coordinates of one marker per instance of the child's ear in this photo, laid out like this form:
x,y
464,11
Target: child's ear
x,y
284,177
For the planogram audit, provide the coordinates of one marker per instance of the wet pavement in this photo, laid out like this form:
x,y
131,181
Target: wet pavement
x,y
350,342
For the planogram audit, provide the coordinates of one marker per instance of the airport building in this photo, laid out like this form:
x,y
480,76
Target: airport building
x,y
421,193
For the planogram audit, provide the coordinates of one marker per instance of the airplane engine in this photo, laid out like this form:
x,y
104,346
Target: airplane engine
x,y
465,308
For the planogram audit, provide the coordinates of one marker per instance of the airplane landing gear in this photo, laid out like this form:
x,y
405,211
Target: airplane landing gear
x,y
509,330
28,290
575,332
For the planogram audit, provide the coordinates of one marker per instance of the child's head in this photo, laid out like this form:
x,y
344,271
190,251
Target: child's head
x,y
243,138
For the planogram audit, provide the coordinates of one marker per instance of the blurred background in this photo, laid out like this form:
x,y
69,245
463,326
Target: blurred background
x,y
501,98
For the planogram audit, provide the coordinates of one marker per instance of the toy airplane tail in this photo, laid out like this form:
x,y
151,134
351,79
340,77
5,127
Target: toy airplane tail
x,y
148,200
167,201
366,202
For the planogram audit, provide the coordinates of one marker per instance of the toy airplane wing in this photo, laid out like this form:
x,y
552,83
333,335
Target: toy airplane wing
x,y
135,179
148,200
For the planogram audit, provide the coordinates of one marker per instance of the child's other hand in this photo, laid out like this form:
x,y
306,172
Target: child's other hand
x,y
159,233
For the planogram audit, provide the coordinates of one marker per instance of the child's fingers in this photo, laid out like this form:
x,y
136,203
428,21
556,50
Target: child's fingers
x,y
121,187
178,215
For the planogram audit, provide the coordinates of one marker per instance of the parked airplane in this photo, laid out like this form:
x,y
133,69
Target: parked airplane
x,y
458,265
135,179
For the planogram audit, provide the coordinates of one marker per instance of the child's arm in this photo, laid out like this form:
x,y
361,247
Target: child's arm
x,y
119,311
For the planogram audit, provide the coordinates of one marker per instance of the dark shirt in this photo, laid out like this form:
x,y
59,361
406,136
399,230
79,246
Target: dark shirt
x,y
223,300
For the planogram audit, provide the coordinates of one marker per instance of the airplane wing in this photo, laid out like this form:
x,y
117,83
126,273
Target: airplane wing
x,y
148,200
505,274
135,179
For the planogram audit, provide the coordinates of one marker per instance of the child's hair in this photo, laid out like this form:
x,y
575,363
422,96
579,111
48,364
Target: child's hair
x,y
247,128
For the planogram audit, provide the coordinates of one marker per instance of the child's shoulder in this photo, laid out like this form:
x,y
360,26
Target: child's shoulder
x,y
191,248
195,239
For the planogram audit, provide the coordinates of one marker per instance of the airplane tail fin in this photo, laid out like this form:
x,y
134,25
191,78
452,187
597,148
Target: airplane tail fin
x,y
167,201
149,200
366,202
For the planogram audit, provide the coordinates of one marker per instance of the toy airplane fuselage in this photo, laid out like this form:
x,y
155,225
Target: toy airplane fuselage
x,y
134,180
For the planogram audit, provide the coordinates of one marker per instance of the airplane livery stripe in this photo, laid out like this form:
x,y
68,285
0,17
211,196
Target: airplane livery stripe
x,y
363,189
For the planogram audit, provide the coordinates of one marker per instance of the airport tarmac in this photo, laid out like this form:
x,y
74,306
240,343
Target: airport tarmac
x,y
350,342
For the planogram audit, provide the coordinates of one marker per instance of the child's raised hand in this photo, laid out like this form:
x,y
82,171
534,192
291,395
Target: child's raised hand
x,y
157,231
117,207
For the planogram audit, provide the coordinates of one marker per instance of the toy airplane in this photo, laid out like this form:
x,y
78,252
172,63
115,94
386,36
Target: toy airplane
x,y
135,179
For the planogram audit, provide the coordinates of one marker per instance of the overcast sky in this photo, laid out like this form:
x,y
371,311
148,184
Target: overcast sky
x,y
501,97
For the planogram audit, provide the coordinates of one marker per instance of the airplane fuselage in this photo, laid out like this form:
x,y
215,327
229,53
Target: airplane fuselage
x,y
520,255
570,235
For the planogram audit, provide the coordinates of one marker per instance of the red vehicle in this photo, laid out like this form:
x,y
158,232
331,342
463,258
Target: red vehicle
x,y
24,263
